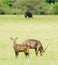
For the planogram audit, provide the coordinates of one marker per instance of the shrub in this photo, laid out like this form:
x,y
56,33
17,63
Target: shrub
x,y
49,9
56,8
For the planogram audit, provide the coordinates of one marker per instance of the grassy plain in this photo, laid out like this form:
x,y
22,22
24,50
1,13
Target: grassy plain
x,y
43,28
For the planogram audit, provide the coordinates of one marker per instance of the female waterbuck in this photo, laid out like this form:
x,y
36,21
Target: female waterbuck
x,y
20,47
35,44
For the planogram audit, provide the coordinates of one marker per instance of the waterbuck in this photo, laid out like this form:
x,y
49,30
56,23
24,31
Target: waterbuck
x,y
35,44
20,47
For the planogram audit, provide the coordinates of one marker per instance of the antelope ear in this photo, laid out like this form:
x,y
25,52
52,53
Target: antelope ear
x,y
11,38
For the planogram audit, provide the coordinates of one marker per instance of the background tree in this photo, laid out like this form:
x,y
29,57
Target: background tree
x,y
35,6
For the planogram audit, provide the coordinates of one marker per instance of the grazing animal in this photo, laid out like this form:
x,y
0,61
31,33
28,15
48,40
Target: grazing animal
x,y
28,14
20,47
35,44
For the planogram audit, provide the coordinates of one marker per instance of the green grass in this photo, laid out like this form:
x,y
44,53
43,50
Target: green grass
x,y
43,28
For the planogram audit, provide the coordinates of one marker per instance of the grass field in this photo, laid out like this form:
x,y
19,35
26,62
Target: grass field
x,y
43,28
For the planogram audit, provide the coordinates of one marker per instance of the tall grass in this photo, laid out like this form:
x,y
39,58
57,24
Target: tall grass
x,y
43,28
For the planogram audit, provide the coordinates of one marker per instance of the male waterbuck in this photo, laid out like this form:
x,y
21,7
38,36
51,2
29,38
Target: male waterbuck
x,y
20,47
35,44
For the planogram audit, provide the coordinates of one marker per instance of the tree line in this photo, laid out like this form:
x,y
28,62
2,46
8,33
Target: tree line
x,y
37,7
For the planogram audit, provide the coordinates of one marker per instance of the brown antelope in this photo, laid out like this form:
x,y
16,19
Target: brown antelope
x,y
35,44
20,47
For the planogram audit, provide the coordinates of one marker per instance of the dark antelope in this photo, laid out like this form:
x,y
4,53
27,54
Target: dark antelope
x,y
35,44
20,47
28,14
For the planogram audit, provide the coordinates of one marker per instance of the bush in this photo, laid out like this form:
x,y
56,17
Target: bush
x,y
49,9
39,7
56,8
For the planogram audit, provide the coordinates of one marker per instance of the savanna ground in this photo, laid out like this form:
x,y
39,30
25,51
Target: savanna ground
x,y
43,28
